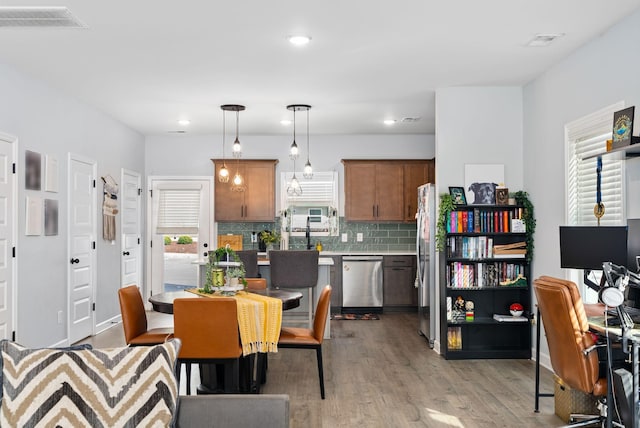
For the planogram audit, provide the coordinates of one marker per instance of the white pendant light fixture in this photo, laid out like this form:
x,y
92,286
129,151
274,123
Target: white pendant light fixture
x,y
294,188
293,150
237,184
223,173
308,170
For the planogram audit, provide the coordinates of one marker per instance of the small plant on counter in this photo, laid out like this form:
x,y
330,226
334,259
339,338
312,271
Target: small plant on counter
x,y
270,237
444,213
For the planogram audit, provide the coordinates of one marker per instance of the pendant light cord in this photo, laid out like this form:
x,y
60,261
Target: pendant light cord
x,y
308,136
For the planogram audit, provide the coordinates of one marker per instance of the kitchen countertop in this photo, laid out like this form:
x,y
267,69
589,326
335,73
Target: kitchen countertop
x,y
362,253
263,261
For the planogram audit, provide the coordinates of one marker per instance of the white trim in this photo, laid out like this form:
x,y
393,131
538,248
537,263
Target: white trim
x,y
106,325
62,344
141,248
94,232
13,140
213,231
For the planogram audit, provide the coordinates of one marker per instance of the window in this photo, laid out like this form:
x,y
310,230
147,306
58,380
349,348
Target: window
x,y
585,137
588,136
178,211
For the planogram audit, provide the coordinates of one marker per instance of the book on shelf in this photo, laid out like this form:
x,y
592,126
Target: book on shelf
x,y
509,318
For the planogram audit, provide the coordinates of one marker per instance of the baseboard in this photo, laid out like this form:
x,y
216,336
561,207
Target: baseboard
x,y
106,325
62,344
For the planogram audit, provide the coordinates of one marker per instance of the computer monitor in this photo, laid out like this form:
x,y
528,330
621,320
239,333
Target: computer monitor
x,y
633,243
587,247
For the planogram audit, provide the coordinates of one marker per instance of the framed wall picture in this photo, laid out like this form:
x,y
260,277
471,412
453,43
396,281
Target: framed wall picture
x,y
480,182
34,216
457,195
50,173
50,217
623,127
32,170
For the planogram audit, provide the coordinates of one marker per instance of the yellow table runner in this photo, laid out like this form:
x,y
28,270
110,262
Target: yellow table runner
x,y
259,320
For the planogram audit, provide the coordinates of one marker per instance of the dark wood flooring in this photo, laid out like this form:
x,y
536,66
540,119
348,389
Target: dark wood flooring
x,y
382,374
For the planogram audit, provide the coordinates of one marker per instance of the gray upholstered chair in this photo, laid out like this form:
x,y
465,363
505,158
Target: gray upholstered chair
x,y
295,269
250,260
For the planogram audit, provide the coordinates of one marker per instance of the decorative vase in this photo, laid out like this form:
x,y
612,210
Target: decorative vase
x,y
233,282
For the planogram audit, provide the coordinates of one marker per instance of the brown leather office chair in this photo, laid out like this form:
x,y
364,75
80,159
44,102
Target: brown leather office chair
x,y
305,338
256,283
570,342
249,259
295,269
134,320
208,329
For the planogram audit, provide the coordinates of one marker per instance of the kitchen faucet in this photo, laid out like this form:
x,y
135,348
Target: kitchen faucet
x,y
308,233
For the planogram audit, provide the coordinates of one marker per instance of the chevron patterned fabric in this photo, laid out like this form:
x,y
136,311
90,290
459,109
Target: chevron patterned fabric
x,y
119,387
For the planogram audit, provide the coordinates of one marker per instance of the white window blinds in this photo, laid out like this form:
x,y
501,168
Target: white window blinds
x,y
178,211
588,136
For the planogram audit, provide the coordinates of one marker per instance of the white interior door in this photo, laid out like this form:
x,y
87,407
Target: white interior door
x,y
156,255
7,236
82,239
131,271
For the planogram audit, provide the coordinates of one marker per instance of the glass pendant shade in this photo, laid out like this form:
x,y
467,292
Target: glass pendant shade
x,y
237,148
294,188
293,151
308,170
223,174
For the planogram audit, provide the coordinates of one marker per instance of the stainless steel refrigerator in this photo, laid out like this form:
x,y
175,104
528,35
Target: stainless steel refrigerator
x,y
426,253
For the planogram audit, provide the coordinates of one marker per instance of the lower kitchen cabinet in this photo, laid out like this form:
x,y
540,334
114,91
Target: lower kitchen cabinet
x,y
399,291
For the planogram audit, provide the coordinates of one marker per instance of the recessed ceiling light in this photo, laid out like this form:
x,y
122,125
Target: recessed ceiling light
x,y
389,122
184,122
285,122
543,39
299,40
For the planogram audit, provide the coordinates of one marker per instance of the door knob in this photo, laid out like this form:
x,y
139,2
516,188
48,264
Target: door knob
x,y
125,253
206,254
75,261
205,245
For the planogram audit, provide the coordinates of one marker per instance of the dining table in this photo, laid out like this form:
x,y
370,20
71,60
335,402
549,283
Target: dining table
x,y
290,299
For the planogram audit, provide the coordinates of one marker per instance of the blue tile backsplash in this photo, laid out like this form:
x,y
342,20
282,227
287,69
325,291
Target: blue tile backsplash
x,y
377,237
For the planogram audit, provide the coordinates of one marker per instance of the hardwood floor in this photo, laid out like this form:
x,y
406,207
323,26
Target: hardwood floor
x,y
382,374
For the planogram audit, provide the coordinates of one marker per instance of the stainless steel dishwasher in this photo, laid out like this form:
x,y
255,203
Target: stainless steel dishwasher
x,y
362,283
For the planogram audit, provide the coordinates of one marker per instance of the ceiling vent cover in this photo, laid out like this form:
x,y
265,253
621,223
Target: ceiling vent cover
x,y
47,17
410,119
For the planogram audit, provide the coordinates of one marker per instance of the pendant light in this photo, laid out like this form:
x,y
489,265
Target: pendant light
x,y
294,188
223,174
293,150
308,170
237,184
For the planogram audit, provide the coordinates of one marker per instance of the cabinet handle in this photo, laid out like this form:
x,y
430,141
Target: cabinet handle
x,y
75,261
409,211
246,211
373,207
125,253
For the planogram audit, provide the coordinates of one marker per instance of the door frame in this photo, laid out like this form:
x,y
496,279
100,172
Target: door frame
x,y
13,140
94,259
213,230
124,171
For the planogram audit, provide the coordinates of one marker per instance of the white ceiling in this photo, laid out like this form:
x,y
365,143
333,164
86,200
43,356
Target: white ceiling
x,y
148,63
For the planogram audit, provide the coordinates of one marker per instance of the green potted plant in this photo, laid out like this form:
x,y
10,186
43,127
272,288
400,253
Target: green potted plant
x,y
522,199
236,275
446,206
270,237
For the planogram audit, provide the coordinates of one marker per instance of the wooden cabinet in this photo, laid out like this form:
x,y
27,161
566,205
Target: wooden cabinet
x,y
475,269
383,190
399,289
416,173
257,202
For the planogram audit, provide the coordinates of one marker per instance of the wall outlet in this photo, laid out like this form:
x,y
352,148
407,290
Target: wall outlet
x,y
359,237
345,237
254,237
60,315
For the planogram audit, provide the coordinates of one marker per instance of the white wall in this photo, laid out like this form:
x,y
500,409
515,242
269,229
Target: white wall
x,y
477,125
49,122
190,155
584,82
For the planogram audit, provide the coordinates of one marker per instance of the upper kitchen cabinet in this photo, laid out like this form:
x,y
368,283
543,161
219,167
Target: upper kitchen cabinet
x,y
416,173
257,202
383,190
373,190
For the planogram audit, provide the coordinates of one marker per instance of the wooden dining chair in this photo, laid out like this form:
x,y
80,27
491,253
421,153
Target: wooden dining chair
x,y
134,320
256,283
305,338
208,329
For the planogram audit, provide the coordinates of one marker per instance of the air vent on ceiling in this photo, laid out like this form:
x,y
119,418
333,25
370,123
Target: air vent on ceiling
x,y
409,119
177,132
540,40
28,17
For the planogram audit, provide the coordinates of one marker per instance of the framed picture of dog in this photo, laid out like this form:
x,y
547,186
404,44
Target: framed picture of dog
x,y
480,182
457,195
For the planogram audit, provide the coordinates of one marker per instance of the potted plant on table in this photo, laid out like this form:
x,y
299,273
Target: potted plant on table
x,y
215,269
